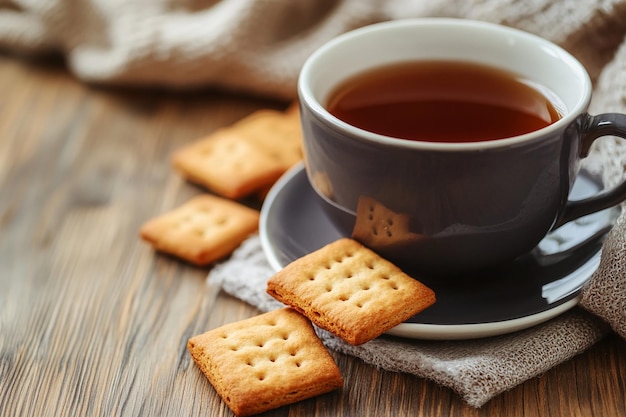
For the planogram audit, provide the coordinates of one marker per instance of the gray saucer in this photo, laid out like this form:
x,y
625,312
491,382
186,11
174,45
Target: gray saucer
x,y
532,289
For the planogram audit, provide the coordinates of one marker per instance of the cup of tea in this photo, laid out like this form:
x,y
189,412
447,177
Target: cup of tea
x,y
449,145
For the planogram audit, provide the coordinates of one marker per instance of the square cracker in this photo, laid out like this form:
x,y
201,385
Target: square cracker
x,y
265,362
276,134
350,291
244,157
227,164
203,230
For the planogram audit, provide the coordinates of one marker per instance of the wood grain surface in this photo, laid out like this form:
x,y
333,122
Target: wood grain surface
x,y
94,323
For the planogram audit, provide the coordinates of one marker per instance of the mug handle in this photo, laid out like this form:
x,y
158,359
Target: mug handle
x,y
594,127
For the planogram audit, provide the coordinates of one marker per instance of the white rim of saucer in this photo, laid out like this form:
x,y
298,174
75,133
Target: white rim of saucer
x,y
479,330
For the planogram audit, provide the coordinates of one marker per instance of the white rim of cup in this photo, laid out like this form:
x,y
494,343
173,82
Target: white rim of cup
x,y
307,96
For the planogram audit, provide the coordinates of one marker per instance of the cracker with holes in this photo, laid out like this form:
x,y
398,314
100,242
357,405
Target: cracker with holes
x,y
265,362
350,291
243,158
227,165
203,230
275,134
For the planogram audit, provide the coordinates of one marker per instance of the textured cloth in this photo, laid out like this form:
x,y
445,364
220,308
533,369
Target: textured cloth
x,y
476,369
605,295
258,46
250,45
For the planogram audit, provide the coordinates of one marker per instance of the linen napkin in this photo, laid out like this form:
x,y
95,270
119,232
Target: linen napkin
x,y
476,369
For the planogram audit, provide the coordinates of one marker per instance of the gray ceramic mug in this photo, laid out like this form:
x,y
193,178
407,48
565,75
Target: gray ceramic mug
x,y
450,207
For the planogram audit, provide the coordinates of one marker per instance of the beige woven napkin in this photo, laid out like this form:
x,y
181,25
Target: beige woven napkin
x,y
476,369
605,295
255,46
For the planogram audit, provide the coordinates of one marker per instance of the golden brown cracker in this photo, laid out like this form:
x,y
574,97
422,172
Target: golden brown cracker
x,y
265,362
203,230
276,134
245,157
350,291
227,164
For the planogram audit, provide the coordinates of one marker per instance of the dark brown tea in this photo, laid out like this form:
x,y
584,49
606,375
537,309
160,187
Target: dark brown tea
x,y
442,101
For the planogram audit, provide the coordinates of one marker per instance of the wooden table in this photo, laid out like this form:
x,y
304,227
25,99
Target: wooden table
x,y
92,322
